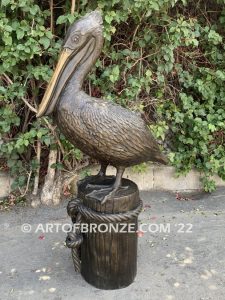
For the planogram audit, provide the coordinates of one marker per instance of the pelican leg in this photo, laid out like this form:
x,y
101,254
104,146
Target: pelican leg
x,y
106,192
119,175
116,185
102,171
93,179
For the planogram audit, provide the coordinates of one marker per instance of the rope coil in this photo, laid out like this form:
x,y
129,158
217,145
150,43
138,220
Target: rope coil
x,y
75,206
73,241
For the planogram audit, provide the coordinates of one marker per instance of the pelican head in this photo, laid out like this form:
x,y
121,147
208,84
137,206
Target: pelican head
x,y
79,44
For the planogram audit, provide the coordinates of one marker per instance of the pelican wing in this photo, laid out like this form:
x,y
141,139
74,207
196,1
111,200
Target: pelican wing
x,y
122,131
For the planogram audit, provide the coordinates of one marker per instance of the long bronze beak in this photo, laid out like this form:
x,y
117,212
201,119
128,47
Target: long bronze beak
x,y
48,96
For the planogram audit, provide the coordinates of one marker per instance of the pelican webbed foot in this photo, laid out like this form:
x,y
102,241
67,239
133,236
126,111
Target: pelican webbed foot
x,y
106,191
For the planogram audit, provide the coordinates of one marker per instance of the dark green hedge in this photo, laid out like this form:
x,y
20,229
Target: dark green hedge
x,y
164,58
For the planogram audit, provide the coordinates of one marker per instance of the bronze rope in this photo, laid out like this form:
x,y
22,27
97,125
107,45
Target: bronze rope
x,y
76,210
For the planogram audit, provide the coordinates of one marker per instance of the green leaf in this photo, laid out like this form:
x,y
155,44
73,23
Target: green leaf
x,y
212,127
7,39
5,2
61,20
45,42
47,141
19,34
26,142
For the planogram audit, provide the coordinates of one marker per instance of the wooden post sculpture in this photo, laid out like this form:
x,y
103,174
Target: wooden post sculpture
x,y
110,134
108,256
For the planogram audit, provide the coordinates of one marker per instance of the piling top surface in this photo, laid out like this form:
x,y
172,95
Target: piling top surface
x,y
126,198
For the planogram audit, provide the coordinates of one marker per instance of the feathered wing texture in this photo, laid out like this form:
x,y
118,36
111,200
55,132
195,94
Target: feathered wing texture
x,y
119,132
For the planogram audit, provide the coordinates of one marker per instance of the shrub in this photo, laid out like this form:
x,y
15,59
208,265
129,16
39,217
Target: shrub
x,y
164,58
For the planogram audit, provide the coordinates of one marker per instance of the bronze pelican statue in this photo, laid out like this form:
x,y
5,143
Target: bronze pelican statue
x,y
102,129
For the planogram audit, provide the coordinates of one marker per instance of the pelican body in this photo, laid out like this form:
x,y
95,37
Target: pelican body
x,y
102,129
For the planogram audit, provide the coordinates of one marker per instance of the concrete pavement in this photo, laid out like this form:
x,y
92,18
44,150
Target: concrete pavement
x,y
182,257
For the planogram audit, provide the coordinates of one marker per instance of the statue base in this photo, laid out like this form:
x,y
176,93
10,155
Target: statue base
x,y
107,234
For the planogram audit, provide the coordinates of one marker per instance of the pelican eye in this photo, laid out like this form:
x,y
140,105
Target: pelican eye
x,y
75,38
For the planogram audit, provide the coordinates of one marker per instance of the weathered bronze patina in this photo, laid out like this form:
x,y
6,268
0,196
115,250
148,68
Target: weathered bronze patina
x,y
111,134
103,130
106,258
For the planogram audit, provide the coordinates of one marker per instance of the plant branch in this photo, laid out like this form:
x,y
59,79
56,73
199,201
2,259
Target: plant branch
x,y
58,142
73,3
27,185
36,179
52,16
9,81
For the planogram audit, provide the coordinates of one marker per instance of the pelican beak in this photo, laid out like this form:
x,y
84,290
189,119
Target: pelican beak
x,y
49,100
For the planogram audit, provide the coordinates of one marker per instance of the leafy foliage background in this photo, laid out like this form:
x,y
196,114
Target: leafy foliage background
x,y
164,58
